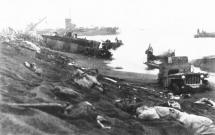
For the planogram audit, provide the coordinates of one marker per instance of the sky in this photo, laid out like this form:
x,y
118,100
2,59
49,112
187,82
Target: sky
x,y
161,14
166,24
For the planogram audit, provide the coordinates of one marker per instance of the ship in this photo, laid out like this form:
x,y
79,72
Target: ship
x,y
94,31
67,40
204,34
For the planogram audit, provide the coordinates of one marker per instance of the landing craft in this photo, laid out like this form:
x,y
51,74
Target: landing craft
x,y
175,73
70,43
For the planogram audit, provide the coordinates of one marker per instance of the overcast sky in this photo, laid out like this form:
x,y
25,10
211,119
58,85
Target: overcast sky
x,y
123,13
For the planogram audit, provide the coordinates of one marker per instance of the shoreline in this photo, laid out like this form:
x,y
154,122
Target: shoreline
x,y
101,65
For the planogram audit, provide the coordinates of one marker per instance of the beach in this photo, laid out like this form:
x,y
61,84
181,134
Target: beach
x,y
34,102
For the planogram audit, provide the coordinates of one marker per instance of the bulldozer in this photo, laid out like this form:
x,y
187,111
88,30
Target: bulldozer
x,y
175,72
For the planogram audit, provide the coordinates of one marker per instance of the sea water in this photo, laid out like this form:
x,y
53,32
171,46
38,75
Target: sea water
x,y
131,55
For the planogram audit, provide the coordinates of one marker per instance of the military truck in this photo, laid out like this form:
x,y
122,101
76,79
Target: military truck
x,y
175,74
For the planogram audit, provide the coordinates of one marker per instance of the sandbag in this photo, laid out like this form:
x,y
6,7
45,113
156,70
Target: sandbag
x,y
200,125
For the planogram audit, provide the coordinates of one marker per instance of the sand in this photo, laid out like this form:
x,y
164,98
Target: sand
x,y
19,85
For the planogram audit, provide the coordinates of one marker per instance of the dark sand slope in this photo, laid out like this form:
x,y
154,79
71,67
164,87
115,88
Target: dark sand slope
x,y
21,85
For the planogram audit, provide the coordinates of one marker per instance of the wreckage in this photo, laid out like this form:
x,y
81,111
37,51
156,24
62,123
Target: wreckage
x,y
175,72
70,43
112,45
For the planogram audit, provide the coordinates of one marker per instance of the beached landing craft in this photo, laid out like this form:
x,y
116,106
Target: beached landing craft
x,y
74,44
175,73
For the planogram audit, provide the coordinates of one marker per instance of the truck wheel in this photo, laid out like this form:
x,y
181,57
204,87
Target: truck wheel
x,y
176,88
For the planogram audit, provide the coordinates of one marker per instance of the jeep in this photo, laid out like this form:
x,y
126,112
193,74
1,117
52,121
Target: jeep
x,y
175,74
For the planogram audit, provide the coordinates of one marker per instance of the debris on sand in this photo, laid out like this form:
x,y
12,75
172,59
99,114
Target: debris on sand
x,y
72,64
112,80
172,96
33,67
104,123
31,46
184,96
53,57
83,110
28,65
86,80
206,101
174,104
66,90
150,113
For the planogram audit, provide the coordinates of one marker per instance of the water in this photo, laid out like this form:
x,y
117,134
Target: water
x,y
131,55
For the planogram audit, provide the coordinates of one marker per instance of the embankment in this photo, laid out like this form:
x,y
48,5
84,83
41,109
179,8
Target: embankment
x,y
52,102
